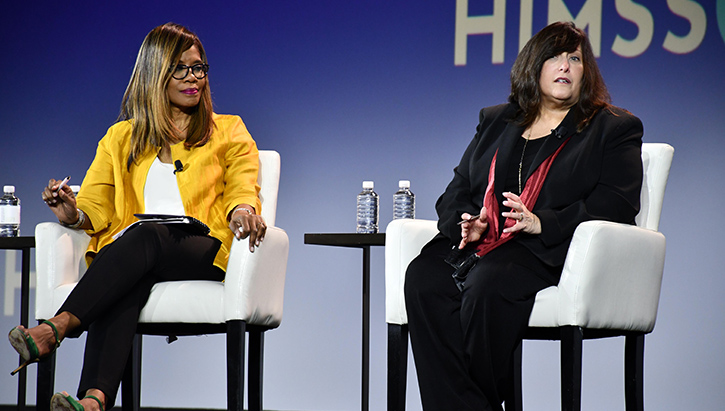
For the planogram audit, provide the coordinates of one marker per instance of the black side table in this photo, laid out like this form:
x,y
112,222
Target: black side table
x,y
363,241
24,244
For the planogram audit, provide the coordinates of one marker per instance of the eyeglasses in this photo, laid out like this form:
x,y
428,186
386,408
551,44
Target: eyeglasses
x,y
198,70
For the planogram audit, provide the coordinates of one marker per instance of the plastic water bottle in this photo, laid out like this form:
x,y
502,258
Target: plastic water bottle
x,y
367,209
9,213
403,201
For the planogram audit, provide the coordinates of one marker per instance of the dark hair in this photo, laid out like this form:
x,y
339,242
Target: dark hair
x,y
551,41
146,101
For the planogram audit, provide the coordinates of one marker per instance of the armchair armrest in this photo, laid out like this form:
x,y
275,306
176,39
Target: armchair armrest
x,y
254,284
611,280
404,239
59,261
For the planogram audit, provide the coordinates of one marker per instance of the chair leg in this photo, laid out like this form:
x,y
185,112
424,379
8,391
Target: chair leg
x,y
236,330
515,403
131,382
634,372
255,373
45,382
571,368
397,366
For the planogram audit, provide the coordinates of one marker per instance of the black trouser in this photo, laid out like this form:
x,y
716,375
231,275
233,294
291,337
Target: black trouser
x,y
463,341
116,286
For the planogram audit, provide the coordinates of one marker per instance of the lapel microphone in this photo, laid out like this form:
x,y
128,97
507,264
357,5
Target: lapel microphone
x,y
179,167
559,132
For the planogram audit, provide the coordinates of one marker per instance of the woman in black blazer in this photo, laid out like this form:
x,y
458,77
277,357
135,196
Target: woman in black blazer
x,y
555,155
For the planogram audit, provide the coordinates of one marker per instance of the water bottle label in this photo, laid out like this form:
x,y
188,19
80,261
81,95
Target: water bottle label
x,y
403,205
9,214
367,213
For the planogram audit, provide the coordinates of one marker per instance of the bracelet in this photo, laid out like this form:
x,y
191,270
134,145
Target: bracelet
x,y
245,209
81,220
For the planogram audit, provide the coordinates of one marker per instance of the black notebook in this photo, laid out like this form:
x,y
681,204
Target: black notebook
x,y
191,224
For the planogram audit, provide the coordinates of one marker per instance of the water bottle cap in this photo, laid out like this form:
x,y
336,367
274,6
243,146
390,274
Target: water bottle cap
x,y
9,189
404,183
368,184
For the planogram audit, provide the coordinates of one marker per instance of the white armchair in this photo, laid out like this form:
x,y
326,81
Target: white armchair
x,y
610,286
249,300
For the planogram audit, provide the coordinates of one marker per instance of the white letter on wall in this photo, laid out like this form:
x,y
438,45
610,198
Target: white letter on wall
x,y
642,18
494,24
526,20
590,16
695,14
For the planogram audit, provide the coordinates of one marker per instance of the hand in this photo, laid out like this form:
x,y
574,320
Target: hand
x,y
527,221
244,224
61,202
472,229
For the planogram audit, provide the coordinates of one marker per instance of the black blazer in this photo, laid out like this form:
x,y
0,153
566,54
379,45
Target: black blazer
x,y
597,176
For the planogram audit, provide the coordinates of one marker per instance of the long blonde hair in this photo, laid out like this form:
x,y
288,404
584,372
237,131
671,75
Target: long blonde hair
x,y
146,101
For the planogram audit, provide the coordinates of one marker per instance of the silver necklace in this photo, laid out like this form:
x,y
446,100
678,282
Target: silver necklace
x,y
521,162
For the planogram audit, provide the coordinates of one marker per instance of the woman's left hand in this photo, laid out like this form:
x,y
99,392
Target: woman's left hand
x,y
245,223
527,221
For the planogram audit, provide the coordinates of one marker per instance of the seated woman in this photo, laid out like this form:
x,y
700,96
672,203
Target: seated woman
x,y
166,118
555,155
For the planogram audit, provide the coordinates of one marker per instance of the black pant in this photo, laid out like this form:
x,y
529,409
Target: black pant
x,y
116,286
463,341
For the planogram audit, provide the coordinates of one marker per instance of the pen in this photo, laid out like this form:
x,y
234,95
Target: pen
x,y
472,218
62,183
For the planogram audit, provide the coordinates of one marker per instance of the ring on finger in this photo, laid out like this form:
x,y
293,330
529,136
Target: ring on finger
x,y
521,216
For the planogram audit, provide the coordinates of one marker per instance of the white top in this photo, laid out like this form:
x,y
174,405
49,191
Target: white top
x,y
161,192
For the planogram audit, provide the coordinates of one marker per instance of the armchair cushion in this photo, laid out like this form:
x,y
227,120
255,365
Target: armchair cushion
x,y
253,289
611,280
404,239
60,263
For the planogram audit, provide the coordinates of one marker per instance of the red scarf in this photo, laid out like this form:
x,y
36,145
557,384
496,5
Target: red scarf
x,y
493,237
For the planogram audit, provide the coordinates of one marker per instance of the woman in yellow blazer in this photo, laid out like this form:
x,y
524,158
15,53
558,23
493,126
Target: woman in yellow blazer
x,y
168,154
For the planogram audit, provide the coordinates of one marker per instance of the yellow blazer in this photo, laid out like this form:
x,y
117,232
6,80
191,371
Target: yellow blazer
x,y
216,178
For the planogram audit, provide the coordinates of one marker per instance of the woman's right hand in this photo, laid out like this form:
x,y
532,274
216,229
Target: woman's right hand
x,y
61,202
472,230
244,222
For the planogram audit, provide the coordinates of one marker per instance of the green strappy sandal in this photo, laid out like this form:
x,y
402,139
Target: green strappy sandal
x,y
61,402
26,347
